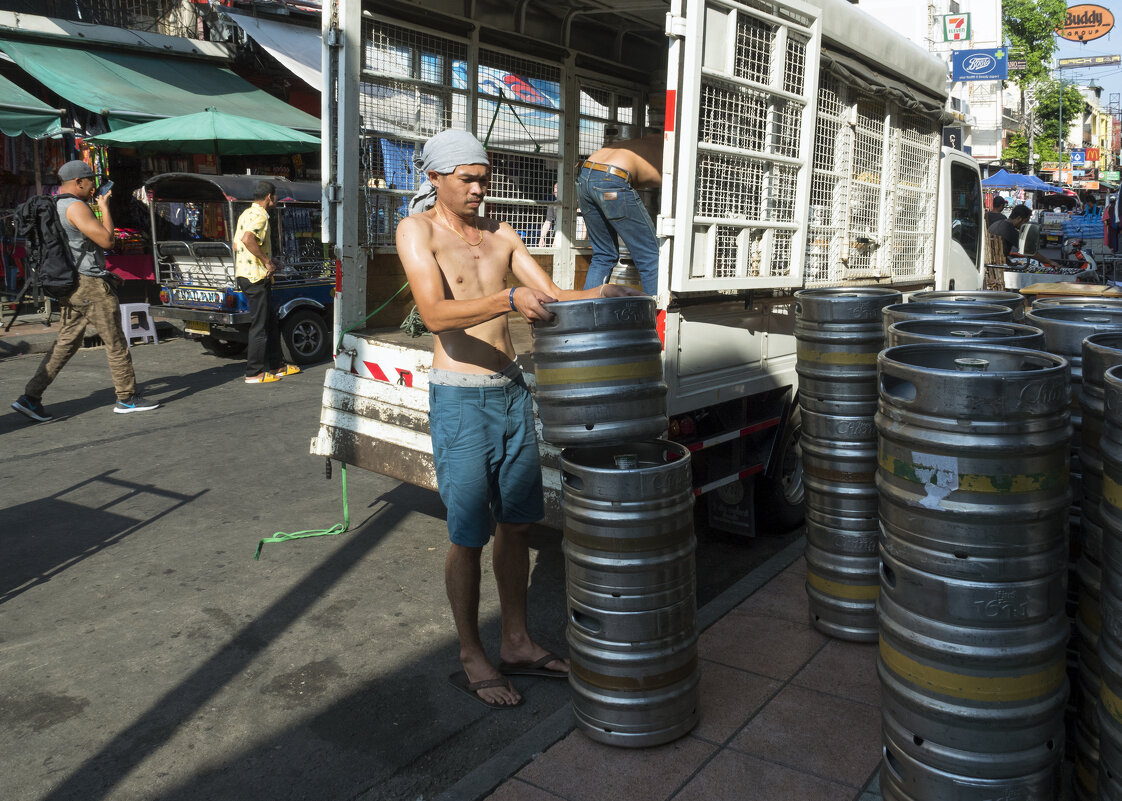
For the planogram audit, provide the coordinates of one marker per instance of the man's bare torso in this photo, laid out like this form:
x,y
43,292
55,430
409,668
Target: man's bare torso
x,y
640,157
472,272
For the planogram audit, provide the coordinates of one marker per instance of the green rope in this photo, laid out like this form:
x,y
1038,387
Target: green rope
x,y
338,528
339,344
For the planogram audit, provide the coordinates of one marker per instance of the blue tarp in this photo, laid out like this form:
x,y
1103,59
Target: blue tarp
x,y
1009,180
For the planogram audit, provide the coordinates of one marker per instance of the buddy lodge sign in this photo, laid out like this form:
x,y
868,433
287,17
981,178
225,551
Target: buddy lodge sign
x,y
1085,23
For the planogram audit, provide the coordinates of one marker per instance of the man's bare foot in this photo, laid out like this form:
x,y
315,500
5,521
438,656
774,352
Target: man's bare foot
x,y
480,670
529,659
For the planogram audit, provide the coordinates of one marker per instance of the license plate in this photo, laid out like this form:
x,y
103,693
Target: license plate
x,y
193,327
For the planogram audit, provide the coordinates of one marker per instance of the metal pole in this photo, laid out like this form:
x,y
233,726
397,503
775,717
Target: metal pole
x,y
1060,141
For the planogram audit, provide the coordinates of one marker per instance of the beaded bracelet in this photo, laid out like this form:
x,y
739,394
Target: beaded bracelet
x,y
510,298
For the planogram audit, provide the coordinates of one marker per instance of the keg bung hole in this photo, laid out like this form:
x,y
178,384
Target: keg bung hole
x,y
917,739
589,426
966,365
1051,744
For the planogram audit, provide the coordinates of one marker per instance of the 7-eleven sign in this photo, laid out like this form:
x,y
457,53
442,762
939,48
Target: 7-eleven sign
x,y
956,27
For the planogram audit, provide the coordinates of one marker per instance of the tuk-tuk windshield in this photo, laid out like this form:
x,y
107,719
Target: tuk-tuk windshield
x,y
191,222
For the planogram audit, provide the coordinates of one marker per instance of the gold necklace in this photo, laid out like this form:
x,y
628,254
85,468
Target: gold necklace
x,y
444,220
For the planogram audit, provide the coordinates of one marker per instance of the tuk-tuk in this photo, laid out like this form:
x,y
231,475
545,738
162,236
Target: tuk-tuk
x,y
193,222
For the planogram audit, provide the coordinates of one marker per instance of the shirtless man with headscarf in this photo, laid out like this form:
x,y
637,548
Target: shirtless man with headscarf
x,y
480,415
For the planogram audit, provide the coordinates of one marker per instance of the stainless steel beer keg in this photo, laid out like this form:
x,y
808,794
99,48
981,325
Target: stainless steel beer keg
x,y
598,372
972,474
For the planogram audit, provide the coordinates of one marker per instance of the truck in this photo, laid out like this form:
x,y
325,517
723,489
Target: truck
x,y
194,217
802,148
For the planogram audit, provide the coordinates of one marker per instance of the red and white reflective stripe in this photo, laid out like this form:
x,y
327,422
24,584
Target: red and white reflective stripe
x,y
720,482
404,377
728,436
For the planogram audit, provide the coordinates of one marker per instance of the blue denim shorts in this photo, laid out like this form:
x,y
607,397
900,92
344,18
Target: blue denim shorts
x,y
486,454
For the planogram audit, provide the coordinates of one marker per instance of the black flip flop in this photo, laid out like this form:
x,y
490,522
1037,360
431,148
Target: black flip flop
x,y
536,668
460,681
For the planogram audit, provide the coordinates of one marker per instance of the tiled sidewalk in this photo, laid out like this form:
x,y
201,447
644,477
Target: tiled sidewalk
x,y
786,715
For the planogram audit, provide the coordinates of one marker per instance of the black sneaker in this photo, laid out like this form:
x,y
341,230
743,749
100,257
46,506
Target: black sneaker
x,y
33,409
135,404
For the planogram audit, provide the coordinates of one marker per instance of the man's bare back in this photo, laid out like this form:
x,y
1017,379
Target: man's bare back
x,y
642,158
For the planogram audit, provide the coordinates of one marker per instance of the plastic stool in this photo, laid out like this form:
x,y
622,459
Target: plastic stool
x,y
143,327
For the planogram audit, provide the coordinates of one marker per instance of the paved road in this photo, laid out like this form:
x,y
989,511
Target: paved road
x,y
145,655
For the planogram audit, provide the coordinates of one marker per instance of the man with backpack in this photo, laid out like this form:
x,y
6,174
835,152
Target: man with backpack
x,y
92,300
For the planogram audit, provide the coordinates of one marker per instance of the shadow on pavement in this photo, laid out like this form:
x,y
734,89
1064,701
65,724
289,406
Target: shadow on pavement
x,y
166,390
153,728
42,539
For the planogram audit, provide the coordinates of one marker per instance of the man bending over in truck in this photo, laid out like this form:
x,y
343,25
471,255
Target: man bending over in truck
x,y
613,209
480,416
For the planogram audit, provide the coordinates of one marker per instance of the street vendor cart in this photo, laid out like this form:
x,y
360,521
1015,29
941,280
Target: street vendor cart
x,y
193,220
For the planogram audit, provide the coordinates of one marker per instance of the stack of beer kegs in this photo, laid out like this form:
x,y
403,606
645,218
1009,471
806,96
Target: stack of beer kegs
x,y
973,482
627,504
1109,705
1100,353
1066,325
838,334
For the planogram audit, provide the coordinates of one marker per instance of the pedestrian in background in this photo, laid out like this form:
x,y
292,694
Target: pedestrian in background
x,y
253,269
93,301
997,213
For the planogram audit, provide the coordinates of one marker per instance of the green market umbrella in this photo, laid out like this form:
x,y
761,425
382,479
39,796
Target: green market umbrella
x,y
211,131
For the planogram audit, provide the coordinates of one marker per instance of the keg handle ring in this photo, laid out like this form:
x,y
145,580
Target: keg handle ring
x,y
897,388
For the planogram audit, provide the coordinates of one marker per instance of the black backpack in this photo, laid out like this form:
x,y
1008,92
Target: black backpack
x,y
48,247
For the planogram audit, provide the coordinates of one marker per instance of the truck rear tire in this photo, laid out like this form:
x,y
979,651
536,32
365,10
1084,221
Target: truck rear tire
x,y
779,497
305,337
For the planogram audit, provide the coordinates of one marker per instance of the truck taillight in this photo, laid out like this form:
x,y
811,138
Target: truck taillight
x,y
165,297
230,301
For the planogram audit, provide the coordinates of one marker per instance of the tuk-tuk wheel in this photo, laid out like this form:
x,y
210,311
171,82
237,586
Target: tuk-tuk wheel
x,y
305,337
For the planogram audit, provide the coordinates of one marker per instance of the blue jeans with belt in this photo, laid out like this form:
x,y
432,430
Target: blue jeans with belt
x,y
613,211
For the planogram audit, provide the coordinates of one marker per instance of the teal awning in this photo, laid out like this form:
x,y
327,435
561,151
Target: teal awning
x,y
130,87
21,113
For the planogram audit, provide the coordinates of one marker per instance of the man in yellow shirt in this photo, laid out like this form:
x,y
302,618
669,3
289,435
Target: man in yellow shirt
x,y
253,268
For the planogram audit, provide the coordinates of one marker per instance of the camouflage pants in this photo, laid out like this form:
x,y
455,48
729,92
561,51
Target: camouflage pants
x,y
94,301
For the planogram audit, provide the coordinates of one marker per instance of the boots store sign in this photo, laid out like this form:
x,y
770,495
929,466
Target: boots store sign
x,y
979,65
1085,23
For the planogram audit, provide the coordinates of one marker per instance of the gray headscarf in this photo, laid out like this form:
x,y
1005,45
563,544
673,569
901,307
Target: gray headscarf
x,y
443,153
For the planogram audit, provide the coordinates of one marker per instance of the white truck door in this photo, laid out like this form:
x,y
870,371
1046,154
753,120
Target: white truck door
x,y
960,224
742,85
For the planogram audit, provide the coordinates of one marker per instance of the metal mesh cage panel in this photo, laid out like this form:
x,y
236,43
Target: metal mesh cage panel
x,y
749,160
733,117
787,129
913,238
526,116
521,178
828,185
169,17
755,41
730,187
794,66
414,84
